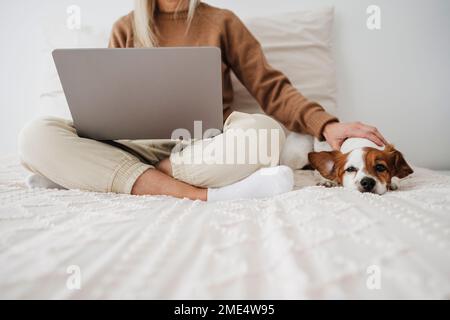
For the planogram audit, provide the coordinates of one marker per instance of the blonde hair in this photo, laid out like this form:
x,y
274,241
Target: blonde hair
x,y
145,32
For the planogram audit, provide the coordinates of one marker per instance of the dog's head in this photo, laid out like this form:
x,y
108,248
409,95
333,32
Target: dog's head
x,y
364,169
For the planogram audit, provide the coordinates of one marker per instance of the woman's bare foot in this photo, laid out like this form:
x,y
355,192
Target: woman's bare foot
x,y
165,167
154,182
265,182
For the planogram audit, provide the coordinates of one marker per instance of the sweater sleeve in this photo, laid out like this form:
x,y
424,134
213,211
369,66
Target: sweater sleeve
x,y
121,34
270,87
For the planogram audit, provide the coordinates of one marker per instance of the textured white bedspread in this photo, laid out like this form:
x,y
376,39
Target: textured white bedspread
x,y
310,243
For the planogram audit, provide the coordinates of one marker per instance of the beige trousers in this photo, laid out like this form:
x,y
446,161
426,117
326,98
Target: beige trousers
x,y
51,147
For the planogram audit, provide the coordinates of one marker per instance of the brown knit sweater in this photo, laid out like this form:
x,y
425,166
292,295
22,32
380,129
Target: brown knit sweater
x,y
242,54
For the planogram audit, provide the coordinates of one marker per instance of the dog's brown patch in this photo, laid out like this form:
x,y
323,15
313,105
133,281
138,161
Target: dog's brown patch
x,y
391,159
329,164
374,158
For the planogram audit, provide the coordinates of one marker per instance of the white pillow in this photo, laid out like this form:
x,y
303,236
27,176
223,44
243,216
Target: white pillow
x,y
299,44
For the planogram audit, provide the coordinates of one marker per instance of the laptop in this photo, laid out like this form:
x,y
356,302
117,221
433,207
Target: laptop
x,y
133,94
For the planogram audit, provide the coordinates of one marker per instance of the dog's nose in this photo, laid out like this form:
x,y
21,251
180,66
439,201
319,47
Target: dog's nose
x,y
368,183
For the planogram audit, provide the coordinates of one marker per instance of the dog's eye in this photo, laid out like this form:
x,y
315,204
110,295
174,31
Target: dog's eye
x,y
380,168
351,169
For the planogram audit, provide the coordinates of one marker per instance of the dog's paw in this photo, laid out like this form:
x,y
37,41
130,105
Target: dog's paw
x,y
327,184
393,186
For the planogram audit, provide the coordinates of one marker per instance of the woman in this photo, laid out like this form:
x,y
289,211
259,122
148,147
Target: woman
x,y
51,147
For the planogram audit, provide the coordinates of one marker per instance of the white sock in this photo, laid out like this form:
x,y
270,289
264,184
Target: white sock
x,y
266,182
36,181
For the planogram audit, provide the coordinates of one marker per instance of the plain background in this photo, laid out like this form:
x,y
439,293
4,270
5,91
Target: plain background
x,y
397,78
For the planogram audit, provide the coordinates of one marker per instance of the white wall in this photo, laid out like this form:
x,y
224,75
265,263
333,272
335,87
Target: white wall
x,y
397,78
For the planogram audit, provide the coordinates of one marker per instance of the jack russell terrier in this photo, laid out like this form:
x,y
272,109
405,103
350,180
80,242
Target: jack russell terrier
x,y
359,165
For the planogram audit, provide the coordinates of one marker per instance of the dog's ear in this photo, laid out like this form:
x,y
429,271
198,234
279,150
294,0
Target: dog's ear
x,y
325,163
399,166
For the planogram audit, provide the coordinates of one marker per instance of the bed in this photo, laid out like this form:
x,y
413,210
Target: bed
x,y
312,243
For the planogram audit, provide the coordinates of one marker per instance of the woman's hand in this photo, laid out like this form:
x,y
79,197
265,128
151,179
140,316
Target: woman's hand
x,y
335,133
